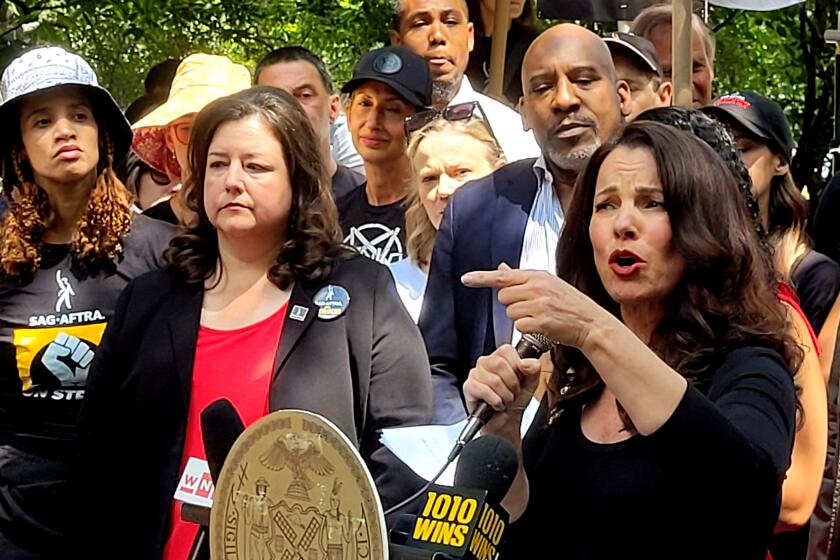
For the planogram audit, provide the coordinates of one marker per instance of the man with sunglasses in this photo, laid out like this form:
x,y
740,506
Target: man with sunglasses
x,y
573,102
441,33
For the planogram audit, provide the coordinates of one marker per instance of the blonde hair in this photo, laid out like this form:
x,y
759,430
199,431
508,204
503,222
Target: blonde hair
x,y
787,218
419,230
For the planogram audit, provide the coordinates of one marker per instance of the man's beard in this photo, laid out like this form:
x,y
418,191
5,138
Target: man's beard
x,y
443,91
575,160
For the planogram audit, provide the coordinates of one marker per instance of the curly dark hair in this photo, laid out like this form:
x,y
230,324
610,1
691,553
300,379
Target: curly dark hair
x,y
313,240
97,243
723,300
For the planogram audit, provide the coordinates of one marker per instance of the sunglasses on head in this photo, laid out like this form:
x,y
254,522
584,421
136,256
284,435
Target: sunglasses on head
x,y
458,112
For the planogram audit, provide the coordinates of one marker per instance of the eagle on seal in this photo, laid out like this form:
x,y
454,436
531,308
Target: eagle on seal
x,y
300,456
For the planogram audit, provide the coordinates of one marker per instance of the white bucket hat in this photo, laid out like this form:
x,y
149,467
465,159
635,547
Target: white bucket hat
x,y
45,68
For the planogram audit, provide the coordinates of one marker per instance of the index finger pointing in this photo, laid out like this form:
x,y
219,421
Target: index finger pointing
x,y
484,278
493,278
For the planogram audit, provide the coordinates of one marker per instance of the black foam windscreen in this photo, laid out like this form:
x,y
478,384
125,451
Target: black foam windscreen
x,y
220,426
487,463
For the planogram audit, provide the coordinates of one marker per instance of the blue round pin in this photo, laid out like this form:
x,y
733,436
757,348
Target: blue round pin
x,y
332,301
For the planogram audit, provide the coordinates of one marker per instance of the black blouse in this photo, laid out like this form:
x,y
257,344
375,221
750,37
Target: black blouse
x,y
705,485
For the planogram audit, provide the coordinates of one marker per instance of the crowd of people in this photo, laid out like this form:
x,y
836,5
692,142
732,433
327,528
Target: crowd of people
x,y
373,253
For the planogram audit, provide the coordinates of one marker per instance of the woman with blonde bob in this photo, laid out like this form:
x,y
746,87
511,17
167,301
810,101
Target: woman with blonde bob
x,y
239,313
445,155
69,245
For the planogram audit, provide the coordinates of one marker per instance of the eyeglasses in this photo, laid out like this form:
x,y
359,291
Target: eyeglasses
x,y
458,112
161,179
182,132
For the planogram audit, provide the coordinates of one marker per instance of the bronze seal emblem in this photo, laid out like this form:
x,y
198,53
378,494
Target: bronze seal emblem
x,y
295,488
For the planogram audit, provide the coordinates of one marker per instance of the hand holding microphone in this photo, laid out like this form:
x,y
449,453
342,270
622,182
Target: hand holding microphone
x,y
506,380
536,302
499,388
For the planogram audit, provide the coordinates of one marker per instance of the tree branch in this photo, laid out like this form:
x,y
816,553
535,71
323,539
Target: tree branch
x,y
727,21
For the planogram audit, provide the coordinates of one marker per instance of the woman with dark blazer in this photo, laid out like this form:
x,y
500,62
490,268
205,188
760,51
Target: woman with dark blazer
x,y
259,304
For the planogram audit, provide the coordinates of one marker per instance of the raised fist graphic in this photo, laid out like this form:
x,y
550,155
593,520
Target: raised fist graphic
x,y
68,358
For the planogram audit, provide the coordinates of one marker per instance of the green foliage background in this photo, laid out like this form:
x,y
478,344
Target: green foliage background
x,y
781,53
122,39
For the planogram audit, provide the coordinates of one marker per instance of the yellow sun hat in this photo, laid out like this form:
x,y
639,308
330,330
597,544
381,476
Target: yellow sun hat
x,y
199,80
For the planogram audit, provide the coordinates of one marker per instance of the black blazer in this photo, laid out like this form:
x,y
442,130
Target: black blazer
x,y
364,371
483,225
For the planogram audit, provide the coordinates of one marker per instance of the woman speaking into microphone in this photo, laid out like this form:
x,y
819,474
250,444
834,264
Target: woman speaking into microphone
x,y
669,420
259,304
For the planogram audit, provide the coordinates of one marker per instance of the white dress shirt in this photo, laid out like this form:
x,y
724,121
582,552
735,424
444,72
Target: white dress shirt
x,y
505,122
542,232
341,144
411,285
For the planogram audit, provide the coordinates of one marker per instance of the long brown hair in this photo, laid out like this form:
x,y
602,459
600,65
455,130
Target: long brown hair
x,y
787,218
723,300
313,240
97,242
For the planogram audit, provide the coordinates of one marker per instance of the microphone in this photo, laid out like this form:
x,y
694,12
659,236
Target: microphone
x,y
531,345
489,463
220,427
464,521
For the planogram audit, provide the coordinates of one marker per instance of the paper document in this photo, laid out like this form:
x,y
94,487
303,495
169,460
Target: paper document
x,y
425,448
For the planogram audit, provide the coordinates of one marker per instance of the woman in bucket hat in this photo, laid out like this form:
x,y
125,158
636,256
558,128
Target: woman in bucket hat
x,y
69,245
161,137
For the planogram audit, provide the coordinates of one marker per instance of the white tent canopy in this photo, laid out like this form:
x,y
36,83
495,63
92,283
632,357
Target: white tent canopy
x,y
758,5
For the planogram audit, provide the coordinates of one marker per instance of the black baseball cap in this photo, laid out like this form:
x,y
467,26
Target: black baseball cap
x,y
397,67
638,47
761,117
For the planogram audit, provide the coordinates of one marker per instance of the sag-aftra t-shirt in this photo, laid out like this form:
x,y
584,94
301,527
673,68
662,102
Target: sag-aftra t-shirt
x,y
50,328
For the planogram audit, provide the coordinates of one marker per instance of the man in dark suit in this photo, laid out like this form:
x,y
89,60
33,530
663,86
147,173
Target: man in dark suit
x,y
573,102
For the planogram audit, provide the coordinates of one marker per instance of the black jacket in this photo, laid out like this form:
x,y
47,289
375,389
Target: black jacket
x,y
364,371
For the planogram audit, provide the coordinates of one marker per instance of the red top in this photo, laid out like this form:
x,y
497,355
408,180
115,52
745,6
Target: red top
x,y
236,365
787,295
